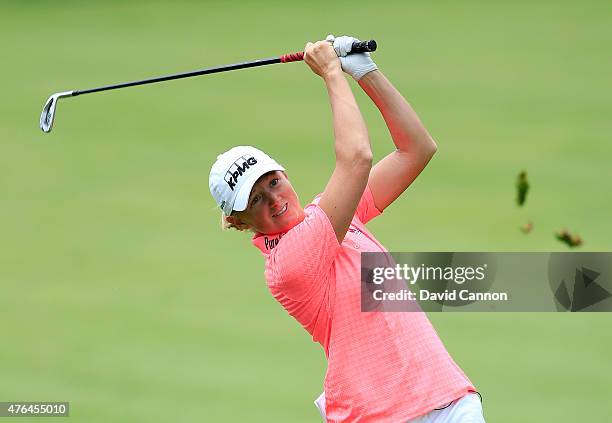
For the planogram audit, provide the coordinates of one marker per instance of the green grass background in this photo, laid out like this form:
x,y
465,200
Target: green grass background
x,y
119,293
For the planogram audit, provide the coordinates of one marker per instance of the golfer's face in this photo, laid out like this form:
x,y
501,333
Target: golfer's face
x,y
273,205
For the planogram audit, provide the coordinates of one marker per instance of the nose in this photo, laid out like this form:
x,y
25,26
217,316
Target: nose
x,y
275,201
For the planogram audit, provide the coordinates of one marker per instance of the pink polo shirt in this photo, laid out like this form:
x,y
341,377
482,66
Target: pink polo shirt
x,y
382,366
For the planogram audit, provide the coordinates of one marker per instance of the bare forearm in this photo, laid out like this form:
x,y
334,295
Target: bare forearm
x,y
350,132
353,156
407,131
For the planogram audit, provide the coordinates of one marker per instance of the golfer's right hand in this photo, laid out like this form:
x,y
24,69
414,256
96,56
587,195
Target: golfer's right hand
x,y
322,58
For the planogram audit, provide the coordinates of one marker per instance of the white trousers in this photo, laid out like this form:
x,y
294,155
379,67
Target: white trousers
x,y
467,409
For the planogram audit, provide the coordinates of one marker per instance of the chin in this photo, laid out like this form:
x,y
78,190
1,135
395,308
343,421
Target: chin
x,y
285,222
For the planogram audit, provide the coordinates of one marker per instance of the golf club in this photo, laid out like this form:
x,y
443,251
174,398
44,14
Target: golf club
x,y
48,114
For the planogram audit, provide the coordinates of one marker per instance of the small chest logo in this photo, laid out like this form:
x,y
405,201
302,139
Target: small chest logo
x,y
354,231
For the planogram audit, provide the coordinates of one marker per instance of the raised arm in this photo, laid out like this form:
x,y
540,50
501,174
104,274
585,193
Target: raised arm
x,y
414,147
352,144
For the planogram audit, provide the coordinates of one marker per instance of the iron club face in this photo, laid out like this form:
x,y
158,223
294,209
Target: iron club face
x,y
48,113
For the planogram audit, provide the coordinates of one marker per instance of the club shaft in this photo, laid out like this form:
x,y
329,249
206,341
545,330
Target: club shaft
x,y
358,47
224,68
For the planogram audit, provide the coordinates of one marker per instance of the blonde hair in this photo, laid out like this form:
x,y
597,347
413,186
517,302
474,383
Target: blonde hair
x,y
225,225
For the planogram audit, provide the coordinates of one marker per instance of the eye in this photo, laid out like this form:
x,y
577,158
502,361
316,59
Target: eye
x,y
255,200
274,182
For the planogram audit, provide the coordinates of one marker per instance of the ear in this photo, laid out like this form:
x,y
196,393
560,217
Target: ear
x,y
237,223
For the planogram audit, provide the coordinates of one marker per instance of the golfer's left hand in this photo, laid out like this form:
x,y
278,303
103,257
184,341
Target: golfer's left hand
x,y
356,65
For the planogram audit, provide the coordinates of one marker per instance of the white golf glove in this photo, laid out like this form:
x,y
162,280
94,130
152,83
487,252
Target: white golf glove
x,y
356,65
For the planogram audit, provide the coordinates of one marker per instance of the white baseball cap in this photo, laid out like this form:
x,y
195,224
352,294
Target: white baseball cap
x,y
234,174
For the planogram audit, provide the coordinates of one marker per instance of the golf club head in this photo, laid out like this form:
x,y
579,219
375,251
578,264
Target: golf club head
x,y
48,113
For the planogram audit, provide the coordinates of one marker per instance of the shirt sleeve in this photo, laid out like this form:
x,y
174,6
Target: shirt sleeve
x,y
366,210
304,257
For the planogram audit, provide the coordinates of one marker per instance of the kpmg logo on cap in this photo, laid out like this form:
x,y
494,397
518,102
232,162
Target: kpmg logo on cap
x,y
237,169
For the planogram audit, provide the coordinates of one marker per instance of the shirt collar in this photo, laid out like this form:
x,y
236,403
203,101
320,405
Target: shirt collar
x,y
266,243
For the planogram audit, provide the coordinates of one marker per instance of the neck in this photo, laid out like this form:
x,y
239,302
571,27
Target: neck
x,y
267,242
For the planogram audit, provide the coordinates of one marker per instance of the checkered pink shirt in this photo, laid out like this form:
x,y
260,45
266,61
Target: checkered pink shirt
x,y
382,367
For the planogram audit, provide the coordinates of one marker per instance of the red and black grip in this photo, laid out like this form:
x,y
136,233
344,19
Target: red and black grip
x,y
358,47
292,57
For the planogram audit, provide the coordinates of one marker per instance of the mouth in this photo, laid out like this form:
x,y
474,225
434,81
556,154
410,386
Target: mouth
x,y
281,211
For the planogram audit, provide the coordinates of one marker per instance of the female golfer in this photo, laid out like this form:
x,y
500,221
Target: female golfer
x,y
382,367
